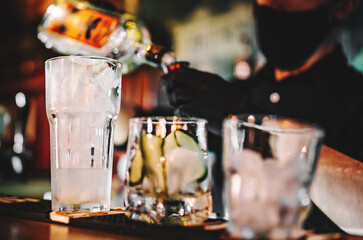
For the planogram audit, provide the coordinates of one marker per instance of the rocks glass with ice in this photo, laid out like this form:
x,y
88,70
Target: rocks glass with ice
x,y
269,162
168,176
83,96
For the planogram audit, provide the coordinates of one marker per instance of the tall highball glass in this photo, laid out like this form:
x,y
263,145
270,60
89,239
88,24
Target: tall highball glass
x,y
83,96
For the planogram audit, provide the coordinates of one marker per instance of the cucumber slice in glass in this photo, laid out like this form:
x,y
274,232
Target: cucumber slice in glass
x,y
180,138
184,166
136,169
169,142
151,148
185,140
204,174
185,160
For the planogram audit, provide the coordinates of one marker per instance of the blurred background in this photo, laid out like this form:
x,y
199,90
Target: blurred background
x,y
215,36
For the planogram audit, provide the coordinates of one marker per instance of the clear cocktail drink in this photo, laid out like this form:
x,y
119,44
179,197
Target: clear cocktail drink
x,y
168,177
83,101
269,164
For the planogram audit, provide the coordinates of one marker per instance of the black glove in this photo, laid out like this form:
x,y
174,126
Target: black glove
x,y
193,93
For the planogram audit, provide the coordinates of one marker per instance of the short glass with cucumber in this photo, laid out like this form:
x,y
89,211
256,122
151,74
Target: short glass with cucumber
x,y
168,171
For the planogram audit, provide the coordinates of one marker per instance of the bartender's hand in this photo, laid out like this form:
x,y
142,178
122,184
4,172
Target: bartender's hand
x,y
193,93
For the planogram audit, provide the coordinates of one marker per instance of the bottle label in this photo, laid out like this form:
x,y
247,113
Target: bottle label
x,y
85,25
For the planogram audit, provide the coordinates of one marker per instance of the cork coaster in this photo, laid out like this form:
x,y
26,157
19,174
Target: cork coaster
x,y
64,217
17,200
214,226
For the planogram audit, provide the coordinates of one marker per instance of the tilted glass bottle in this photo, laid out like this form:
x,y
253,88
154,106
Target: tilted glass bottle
x,y
75,27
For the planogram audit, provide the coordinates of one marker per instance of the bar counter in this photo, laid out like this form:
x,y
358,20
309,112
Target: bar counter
x,y
19,228
337,190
